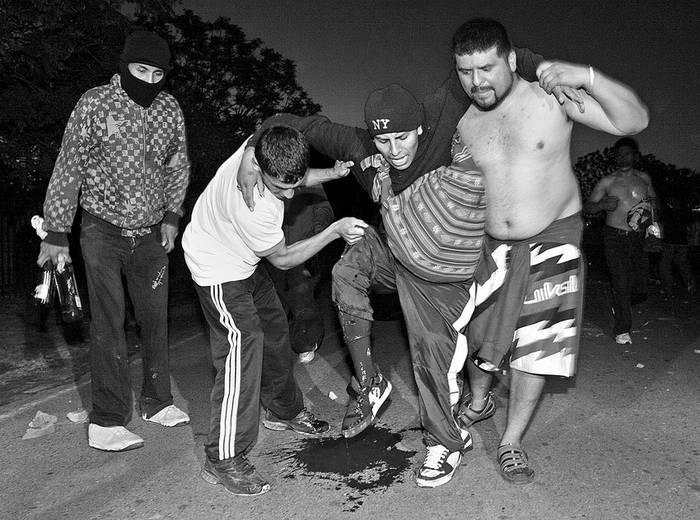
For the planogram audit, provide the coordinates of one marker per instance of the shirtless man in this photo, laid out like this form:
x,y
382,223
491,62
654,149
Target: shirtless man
x,y
527,291
627,197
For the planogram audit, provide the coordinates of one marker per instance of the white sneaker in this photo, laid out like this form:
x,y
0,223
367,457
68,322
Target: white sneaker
x,y
308,357
623,339
169,416
112,438
439,466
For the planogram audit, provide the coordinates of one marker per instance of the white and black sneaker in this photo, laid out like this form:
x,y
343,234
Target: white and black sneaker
x,y
379,390
438,467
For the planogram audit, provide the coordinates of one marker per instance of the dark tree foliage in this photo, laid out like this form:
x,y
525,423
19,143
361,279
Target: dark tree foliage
x,y
226,85
52,51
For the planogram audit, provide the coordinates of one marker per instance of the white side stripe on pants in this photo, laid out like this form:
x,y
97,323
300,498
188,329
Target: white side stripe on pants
x,y
232,377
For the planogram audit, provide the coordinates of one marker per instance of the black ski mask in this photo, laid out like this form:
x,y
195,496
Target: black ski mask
x,y
138,90
150,49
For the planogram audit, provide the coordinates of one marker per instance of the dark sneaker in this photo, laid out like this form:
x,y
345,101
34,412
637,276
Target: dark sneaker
x,y
379,390
468,416
358,415
438,467
304,422
237,475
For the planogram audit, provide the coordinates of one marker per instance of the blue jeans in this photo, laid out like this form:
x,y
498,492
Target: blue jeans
x,y
628,264
144,264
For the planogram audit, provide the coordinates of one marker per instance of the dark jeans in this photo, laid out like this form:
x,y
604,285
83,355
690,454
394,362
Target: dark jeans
x,y
676,255
144,264
628,265
304,215
296,289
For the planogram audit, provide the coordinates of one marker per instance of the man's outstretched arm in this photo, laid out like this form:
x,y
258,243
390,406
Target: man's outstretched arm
x,y
611,106
288,256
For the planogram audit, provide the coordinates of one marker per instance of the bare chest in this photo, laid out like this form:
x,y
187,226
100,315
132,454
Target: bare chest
x,y
629,190
519,132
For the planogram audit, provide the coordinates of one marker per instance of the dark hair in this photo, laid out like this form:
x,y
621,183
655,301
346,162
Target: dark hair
x,y
283,153
479,35
628,142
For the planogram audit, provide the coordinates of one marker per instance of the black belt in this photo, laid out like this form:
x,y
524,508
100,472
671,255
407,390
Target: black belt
x,y
116,230
619,231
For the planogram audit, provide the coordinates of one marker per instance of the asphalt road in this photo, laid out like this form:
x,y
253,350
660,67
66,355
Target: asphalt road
x,y
620,441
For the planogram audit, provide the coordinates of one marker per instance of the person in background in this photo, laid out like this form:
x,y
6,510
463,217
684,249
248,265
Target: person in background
x,y
675,222
305,215
124,160
629,201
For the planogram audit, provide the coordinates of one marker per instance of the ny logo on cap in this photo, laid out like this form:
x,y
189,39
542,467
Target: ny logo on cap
x,y
380,124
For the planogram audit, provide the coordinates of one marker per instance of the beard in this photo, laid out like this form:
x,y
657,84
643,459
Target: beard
x,y
497,98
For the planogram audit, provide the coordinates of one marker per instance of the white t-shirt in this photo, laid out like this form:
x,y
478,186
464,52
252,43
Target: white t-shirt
x,y
224,241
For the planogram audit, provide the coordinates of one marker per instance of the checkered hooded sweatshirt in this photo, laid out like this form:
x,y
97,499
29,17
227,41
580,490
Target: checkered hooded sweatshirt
x,y
123,163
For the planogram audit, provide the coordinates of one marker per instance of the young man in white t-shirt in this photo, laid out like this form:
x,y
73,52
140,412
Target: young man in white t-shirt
x,y
249,334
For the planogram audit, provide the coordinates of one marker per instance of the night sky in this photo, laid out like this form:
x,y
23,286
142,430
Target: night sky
x,y
345,49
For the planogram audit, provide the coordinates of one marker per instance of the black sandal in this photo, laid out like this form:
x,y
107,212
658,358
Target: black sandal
x,y
514,465
468,416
